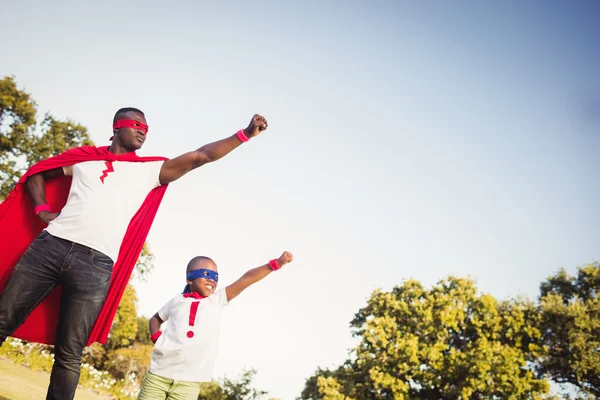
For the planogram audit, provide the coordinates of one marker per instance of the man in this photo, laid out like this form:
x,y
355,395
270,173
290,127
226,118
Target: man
x,y
90,244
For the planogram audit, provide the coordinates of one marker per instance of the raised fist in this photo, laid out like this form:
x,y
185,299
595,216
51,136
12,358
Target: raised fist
x,y
258,123
285,258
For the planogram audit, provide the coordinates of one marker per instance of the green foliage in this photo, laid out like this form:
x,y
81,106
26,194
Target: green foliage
x,y
145,263
56,137
331,389
143,331
37,357
94,355
231,389
241,389
311,388
20,145
570,309
125,325
17,119
129,362
211,391
447,342
104,382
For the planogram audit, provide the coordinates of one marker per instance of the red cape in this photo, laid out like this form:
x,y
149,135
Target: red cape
x,y
19,226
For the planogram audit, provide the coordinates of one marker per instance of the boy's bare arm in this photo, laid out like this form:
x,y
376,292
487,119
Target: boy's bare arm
x,y
254,275
155,323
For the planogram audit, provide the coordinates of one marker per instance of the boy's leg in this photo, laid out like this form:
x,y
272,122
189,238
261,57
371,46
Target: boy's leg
x,y
155,387
182,390
84,277
33,278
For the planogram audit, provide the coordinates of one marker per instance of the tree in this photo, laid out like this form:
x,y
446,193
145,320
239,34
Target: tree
x,y
313,388
125,361
56,137
17,118
448,342
145,263
124,329
241,390
20,144
232,389
211,391
570,326
143,331
333,384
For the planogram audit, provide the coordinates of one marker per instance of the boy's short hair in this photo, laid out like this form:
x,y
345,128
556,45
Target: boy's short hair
x,y
196,260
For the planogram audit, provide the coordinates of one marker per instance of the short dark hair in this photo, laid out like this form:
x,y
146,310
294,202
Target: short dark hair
x,y
197,260
126,110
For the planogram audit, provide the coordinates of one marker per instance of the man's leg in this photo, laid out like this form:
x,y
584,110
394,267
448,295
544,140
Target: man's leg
x,y
33,278
85,277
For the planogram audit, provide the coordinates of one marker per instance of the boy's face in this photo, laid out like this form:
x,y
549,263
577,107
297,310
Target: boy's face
x,y
203,286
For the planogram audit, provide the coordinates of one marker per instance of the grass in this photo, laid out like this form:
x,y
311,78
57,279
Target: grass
x,y
21,383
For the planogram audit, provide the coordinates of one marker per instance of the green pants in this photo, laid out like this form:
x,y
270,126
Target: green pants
x,y
156,387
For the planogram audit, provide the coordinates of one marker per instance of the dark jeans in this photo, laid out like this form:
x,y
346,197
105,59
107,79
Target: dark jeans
x,y
84,275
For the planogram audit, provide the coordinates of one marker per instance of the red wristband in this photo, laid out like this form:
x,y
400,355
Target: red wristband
x,y
42,207
273,264
155,337
241,136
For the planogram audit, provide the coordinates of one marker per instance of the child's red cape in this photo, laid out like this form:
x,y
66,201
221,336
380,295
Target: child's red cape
x,y
19,226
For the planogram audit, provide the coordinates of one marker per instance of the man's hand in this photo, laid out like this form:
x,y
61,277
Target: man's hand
x,y
47,216
258,123
285,258
174,169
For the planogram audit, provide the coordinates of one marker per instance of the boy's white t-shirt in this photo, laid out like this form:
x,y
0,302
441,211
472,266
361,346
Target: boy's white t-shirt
x,y
180,357
102,202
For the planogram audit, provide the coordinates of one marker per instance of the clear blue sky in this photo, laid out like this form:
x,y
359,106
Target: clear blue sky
x,y
406,140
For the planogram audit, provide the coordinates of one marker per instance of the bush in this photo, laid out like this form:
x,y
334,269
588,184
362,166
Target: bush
x,y
128,361
36,356
143,332
40,357
94,355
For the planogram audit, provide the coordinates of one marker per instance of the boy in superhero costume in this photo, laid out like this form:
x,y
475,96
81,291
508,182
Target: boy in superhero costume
x,y
186,349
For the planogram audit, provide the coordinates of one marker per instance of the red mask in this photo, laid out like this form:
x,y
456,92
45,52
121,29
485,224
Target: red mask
x,y
130,123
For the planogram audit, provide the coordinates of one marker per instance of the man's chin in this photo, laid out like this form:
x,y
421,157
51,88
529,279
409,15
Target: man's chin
x,y
131,149
135,145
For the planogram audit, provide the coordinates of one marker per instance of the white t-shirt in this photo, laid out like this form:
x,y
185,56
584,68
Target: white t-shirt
x,y
101,202
180,357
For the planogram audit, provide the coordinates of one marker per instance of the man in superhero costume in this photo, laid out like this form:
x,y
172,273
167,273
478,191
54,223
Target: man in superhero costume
x,y
71,232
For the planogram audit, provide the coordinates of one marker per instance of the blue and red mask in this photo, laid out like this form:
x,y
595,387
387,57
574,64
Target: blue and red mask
x,y
200,273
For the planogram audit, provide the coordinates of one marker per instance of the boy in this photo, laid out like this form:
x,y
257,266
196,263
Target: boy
x,y
184,354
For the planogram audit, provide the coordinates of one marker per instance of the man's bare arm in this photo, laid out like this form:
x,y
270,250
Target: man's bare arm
x,y
36,187
177,167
